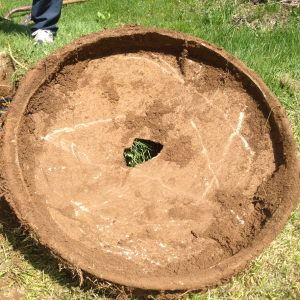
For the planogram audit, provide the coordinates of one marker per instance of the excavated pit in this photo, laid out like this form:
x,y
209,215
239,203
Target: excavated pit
x,y
219,191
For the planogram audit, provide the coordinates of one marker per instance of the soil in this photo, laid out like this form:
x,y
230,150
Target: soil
x,y
205,197
6,71
248,14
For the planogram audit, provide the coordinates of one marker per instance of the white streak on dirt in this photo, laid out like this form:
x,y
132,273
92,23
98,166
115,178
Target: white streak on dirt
x,y
226,149
204,151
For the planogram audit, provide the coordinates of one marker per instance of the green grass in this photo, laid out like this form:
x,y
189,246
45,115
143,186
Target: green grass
x,y
264,37
140,152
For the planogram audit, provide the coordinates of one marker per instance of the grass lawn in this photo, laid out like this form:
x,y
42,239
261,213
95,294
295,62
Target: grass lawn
x,y
266,37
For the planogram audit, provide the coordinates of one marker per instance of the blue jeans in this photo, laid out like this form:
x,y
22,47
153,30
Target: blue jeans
x,y
45,14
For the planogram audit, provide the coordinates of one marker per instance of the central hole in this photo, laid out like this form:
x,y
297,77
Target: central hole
x,y
141,151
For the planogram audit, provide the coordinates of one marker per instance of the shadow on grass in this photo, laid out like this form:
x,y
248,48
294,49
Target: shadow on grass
x,y
9,27
21,242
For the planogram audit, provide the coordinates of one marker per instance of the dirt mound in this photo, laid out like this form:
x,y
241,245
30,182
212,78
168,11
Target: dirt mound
x,y
6,71
215,196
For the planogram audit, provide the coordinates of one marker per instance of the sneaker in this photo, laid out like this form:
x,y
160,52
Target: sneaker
x,y
42,36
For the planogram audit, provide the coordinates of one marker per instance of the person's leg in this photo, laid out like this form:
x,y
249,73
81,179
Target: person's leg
x,y
45,14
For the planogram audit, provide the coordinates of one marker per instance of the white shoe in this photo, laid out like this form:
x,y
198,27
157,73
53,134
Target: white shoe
x,y
42,36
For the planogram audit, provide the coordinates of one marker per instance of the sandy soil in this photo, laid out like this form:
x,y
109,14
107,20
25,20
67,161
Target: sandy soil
x,y
203,199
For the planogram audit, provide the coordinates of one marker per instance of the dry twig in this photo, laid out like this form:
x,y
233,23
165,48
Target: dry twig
x,y
12,57
188,291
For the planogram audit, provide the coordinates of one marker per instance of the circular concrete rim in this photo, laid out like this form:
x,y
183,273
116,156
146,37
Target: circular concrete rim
x,y
88,47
